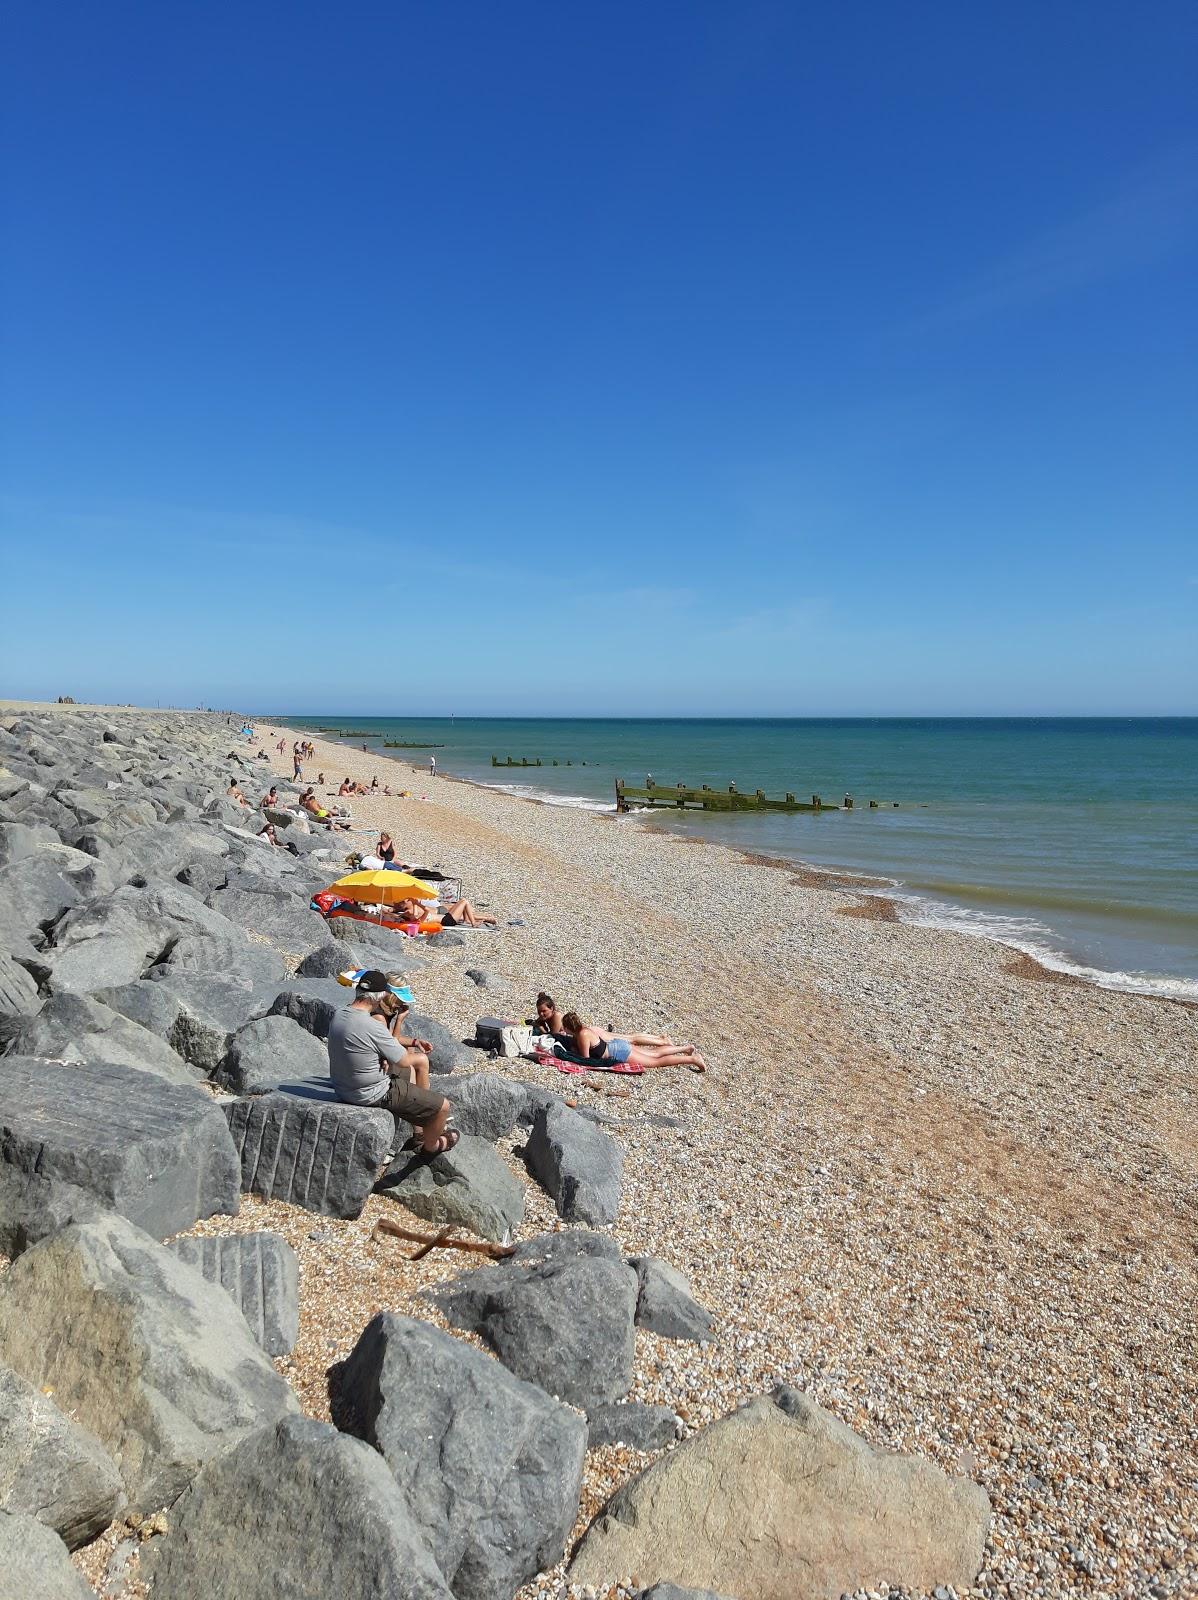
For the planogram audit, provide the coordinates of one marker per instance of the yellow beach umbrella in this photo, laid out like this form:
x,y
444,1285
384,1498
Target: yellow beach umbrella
x,y
383,888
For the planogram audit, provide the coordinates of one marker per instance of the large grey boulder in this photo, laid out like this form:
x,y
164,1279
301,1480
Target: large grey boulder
x,y
332,956
195,1012
485,1104
19,839
31,1207
157,1364
321,1155
34,1564
628,1422
161,850
665,1304
268,1052
260,1274
18,992
158,1153
114,938
101,963
448,1053
282,917
490,1465
806,1510
205,876
92,805
72,1027
36,889
296,1510
468,1186
312,1002
50,1468
563,1322
580,1167
232,954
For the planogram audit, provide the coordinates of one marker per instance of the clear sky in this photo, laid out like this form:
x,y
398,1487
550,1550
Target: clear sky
x,y
606,356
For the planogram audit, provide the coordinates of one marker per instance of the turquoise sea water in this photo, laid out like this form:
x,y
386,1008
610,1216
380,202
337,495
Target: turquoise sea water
x,y
1073,839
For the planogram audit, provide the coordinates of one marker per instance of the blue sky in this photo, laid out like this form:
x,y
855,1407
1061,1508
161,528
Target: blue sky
x,y
602,358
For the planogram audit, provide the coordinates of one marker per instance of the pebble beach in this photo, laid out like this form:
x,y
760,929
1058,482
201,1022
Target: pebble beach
x,y
951,1198
947,1194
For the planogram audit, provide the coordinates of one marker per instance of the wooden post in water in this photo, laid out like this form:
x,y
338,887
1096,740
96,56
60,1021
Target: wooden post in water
x,y
848,802
816,801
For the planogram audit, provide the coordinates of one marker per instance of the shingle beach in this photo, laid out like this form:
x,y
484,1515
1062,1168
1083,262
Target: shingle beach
x,y
955,1204
951,1200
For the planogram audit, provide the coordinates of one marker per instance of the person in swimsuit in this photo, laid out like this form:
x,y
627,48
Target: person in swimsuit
x,y
549,1018
645,1050
385,849
460,912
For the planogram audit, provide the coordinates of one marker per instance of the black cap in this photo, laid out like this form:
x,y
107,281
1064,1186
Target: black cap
x,y
373,982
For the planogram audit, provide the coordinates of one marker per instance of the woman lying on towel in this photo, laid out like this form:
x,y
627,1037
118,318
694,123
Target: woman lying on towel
x,y
643,1050
460,914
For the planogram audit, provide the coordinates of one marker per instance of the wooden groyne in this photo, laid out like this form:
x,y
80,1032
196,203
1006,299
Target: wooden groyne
x,y
511,761
681,797
409,744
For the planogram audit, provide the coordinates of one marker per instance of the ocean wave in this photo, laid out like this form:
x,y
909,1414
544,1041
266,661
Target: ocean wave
x,y
546,797
1033,938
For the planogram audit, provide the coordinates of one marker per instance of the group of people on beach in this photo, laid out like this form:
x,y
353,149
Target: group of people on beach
x,y
587,1042
374,1061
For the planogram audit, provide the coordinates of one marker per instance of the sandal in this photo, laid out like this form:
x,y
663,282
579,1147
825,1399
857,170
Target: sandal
x,y
444,1144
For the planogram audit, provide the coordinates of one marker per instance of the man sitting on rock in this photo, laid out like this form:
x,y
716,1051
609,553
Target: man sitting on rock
x,y
369,1067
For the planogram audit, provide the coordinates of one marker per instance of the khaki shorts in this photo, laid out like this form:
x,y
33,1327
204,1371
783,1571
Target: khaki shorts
x,y
404,1099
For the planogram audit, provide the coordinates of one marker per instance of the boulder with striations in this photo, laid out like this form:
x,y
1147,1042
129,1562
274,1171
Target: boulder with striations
x,y
319,1154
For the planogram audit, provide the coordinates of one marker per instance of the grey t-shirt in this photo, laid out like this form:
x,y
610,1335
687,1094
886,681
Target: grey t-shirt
x,y
356,1041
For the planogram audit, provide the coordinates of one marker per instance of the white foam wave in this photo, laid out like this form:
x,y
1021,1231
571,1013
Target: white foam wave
x,y
575,802
1033,939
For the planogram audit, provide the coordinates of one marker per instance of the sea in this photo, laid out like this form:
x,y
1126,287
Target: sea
x,y
1072,839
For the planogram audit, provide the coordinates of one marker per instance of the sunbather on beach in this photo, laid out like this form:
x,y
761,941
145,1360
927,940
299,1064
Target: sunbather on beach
x,y
549,1018
310,804
385,849
270,798
369,1067
460,913
598,1044
234,793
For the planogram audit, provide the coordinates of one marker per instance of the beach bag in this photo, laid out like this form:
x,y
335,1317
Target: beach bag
x,y
488,1031
516,1040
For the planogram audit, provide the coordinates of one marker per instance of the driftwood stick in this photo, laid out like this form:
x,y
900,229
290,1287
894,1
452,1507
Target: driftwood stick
x,y
442,1240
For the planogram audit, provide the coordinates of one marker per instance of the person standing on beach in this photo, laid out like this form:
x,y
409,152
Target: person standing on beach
x,y
432,766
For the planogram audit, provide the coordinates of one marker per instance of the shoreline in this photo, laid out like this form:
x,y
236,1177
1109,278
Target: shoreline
x,y
1054,965
953,1200
956,1208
